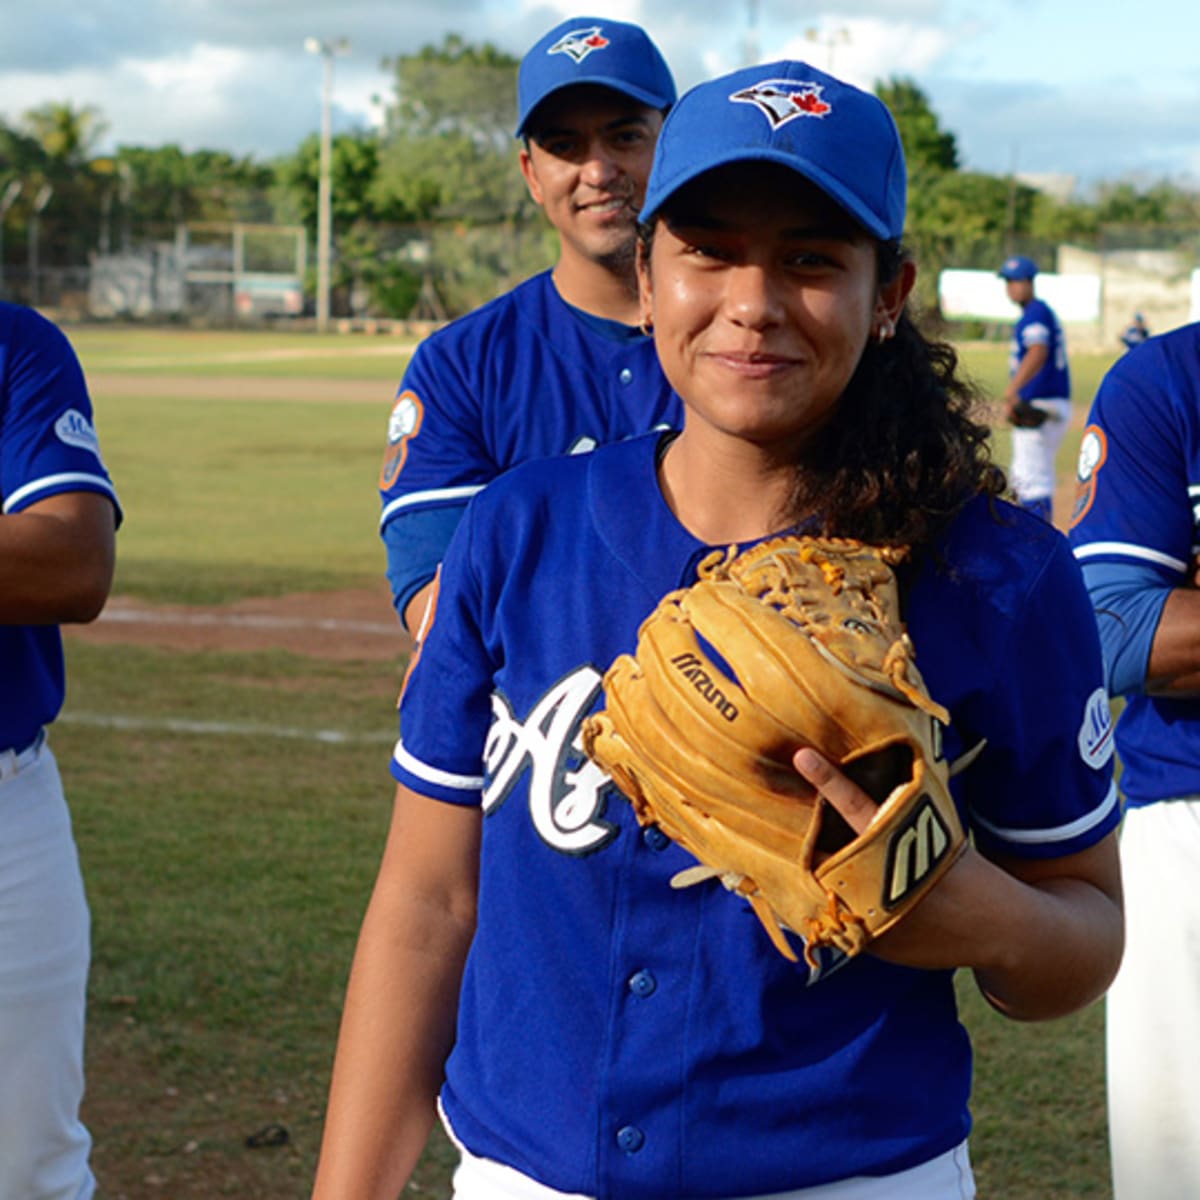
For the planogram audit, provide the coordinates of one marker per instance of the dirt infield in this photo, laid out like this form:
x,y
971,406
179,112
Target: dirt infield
x,y
354,624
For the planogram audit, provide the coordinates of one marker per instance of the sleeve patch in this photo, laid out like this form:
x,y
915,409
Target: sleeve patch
x,y
1093,451
1096,730
403,425
75,429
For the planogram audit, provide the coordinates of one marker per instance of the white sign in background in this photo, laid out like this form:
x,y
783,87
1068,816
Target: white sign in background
x,y
980,295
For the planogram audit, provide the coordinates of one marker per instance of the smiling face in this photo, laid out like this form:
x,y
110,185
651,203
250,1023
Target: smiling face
x,y
588,158
763,294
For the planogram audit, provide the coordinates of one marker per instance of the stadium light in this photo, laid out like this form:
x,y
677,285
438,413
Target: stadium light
x,y
6,202
829,41
45,192
328,51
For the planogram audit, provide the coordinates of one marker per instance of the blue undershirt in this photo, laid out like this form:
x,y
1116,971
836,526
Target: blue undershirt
x,y
1128,599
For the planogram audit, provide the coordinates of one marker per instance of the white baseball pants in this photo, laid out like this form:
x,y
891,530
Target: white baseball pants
x,y
1032,474
44,955
1153,1008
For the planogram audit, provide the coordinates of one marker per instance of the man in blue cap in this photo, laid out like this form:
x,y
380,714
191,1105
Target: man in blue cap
x,y
1038,395
559,364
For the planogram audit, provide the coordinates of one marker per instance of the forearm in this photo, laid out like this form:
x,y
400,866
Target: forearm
x,y
1057,947
401,1007
1034,360
1039,948
397,1030
1174,666
416,614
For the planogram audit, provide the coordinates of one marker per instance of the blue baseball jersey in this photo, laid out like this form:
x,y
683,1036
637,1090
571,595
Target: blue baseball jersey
x,y
621,1038
525,376
1138,503
1039,326
48,445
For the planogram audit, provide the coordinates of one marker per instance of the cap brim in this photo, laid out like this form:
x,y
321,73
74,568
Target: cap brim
x,y
641,95
832,187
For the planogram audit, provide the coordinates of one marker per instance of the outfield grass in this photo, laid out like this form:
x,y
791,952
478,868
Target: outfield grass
x,y
220,353
228,873
225,499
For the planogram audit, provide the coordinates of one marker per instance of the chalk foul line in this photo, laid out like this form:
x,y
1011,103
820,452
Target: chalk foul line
x,y
181,725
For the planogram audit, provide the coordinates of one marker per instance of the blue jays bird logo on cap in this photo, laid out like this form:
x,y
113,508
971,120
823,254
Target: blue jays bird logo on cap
x,y
783,100
579,43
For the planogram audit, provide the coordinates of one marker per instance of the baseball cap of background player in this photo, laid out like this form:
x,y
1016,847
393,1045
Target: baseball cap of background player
x,y
840,138
595,50
1018,267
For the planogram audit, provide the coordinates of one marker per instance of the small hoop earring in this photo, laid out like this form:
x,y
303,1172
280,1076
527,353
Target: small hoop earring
x,y
886,330
647,326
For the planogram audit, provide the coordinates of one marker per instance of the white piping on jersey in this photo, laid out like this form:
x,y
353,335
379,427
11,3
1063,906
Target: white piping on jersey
x,y
96,482
1130,550
1059,833
433,774
454,493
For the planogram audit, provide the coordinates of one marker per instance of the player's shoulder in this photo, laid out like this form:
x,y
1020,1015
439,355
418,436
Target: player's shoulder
x,y
558,481
999,550
1164,374
528,298
27,329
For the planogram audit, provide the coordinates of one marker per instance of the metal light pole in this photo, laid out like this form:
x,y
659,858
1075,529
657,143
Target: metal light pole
x,y
751,51
6,202
327,51
35,219
829,41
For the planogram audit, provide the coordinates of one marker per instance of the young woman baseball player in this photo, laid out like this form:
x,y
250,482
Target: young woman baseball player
x,y
584,1029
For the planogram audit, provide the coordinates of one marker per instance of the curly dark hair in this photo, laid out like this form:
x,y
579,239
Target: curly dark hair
x,y
903,452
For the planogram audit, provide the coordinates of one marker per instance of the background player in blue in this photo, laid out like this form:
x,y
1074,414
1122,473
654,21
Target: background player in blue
x,y
557,365
1136,332
1038,374
618,1038
1135,529
56,561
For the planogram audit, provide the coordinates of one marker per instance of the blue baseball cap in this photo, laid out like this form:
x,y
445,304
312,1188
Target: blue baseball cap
x,y
1018,267
612,54
839,137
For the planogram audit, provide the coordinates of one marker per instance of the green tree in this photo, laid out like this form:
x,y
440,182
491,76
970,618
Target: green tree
x,y
68,134
448,148
456,87
156,188
368,258
927,146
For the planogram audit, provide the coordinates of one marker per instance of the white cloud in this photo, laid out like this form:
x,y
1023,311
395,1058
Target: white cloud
x,y
231,74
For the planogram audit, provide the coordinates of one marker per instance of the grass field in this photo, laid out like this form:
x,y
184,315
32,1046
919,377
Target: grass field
x,y
229,856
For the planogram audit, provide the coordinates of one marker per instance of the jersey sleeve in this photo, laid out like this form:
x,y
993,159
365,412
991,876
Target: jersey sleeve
x,y
1132,501
1043,786
1036,333
49,444
435,455
445,707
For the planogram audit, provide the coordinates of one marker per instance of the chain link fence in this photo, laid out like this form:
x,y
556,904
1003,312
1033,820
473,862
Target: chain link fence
x,y
437,270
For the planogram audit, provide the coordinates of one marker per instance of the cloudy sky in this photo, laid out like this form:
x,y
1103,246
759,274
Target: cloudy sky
x,y
1074,87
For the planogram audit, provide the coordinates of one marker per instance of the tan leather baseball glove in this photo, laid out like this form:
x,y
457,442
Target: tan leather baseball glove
x,y
797,641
